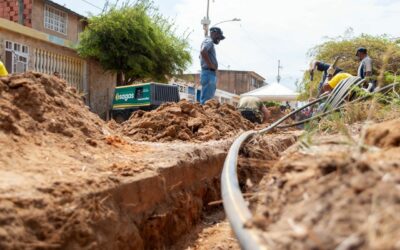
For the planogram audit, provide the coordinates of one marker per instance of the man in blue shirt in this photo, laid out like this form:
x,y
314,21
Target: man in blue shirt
x,y
209,64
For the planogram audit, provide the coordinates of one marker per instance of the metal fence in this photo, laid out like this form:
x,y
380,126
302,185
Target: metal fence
x,y
69,68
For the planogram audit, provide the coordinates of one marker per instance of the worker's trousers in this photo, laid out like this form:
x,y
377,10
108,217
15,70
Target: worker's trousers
x,y
208,81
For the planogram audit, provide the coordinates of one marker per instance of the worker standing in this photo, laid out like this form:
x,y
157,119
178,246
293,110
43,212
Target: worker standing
x,y
3,70
365,68
253,109
209,64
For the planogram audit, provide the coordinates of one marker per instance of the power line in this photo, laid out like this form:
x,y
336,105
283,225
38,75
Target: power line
x,y
95,6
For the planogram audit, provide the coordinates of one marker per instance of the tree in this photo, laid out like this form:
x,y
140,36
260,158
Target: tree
x,y
384,51
136,42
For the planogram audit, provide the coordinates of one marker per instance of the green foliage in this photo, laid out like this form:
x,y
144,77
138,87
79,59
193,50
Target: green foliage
x,y
137,41
272,104
384,51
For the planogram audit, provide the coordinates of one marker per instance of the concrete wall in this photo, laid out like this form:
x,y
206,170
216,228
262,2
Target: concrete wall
x,y
74,25
101,88
32,44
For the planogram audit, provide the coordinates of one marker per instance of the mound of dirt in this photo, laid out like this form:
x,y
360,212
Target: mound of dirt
x,y
34,103
329,196
186,121
384,135
275,114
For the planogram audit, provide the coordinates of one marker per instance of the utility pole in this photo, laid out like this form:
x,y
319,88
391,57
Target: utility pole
x,y
278,78
206,20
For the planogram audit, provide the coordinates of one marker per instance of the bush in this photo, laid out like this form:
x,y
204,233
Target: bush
x,y
384,51
136,41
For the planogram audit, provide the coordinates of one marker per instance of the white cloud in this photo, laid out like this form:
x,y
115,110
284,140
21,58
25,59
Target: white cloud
x,y
285,29
272,30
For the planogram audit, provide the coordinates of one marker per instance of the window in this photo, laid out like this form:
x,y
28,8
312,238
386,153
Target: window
x,y
55,19
16,57
253,82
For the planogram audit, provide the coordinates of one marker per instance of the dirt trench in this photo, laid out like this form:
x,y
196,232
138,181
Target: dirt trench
x,y
151,209
68,180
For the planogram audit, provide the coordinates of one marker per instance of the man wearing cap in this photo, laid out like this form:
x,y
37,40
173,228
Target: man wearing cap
x,y
209,64
365,68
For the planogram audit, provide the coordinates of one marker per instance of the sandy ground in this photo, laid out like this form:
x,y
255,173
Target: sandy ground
x,y
213,232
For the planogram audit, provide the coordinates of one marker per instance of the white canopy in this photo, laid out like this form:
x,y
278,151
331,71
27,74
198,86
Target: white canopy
x,y
273,92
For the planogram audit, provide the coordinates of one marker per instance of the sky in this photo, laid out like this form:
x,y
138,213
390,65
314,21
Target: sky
x,y
269,31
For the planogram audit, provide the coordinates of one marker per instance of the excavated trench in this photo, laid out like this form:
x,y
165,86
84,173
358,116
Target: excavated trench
x,y
71,181
156,211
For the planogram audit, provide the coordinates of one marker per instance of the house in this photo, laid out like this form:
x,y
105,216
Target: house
x,y
41,35
191,91
233,81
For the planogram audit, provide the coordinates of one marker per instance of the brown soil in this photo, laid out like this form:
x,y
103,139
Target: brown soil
x,y
276,114
66,177
39,104
212,233
334,194
55,156
259,154
186,121
68,180
385,135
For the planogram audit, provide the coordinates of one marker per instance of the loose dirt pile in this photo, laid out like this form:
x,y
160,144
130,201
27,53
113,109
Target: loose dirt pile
x,y
38,104
334,195
55,157
186,121
276,113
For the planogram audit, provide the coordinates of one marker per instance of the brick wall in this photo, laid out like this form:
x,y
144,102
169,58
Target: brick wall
x,y
9,10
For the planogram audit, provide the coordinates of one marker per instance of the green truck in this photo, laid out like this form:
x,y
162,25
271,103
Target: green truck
x,y
146,96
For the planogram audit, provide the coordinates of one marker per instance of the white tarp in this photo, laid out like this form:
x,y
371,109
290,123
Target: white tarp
x,y
273,92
